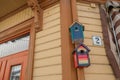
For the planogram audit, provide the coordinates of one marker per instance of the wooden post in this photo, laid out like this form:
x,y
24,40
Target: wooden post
x,y
80,71
68,70
30,63
68,16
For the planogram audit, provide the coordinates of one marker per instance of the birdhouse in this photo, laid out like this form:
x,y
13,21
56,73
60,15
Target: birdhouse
x,y
81,56
76,32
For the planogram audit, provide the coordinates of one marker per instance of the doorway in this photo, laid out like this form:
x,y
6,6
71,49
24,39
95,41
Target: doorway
x,y
13,58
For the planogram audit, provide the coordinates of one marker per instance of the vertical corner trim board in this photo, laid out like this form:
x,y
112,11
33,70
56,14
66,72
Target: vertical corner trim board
x,y
47,58
90,18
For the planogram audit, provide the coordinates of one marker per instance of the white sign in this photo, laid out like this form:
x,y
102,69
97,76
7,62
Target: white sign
x,y
97,40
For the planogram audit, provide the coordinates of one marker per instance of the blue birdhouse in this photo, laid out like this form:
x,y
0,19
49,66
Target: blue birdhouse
x,y
81,56
76,32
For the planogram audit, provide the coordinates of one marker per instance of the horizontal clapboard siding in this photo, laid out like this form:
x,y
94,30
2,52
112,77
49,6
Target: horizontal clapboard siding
x,y
49,70
94,28
50,77
100,68
99,77
47,59
16,19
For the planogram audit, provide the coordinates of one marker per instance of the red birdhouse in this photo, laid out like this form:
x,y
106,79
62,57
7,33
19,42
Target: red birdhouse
x,y
81,56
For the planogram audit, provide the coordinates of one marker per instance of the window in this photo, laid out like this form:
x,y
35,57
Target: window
x,y
14,46
15,72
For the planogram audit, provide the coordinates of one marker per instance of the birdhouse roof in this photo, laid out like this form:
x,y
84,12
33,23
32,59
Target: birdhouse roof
x,y
82,46
76,22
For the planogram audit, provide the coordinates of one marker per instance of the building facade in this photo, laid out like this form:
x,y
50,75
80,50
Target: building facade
x,y
35,42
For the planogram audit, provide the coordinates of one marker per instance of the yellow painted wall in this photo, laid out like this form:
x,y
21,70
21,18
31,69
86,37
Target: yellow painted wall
x,y
47,59
100,68
16,19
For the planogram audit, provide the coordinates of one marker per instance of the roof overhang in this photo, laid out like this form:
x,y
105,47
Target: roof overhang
x,y
7,6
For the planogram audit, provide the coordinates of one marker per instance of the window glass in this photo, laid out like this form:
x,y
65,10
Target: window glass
x,y
15,72
14,46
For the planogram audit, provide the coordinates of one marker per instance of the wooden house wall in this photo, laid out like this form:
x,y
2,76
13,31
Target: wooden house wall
x,y
100,68
47,59
16,19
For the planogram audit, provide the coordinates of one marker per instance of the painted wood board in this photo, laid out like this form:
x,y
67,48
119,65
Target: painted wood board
x,y
54,23
98,69
99,77
49,70
90,34
48,38
51,18
47,32
97,50
90,15
87,8
92,21
56,60
50,77
48,53
51,12
89,42
93,28
97,59
51,8
48,45
85,4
